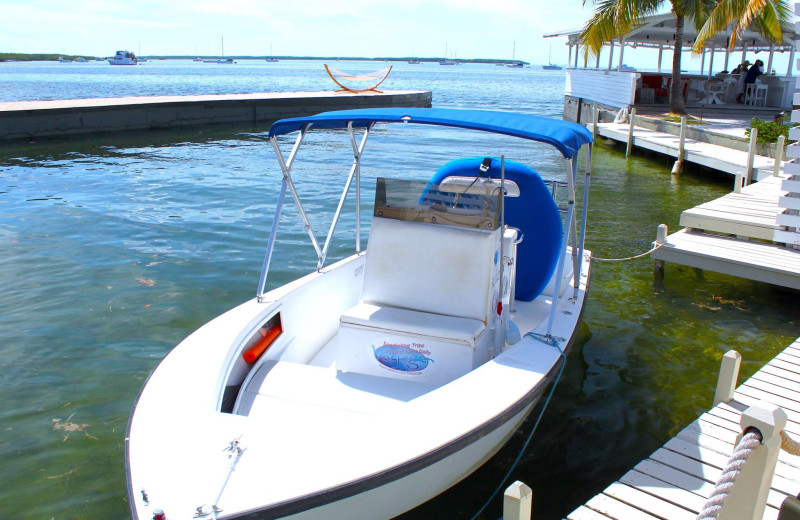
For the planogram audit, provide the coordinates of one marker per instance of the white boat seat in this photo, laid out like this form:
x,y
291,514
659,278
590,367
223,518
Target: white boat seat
x,y
463,330
431,268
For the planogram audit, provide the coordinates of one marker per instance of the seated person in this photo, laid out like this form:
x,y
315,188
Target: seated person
x,y
752,74
742,68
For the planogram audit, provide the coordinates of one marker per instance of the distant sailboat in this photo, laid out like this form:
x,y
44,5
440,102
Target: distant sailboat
x,y
445,61
514,64
223,60
550,65
413,60
271,59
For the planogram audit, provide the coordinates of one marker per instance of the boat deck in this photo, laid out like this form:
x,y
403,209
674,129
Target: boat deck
x,y
705,154
675,481
717,237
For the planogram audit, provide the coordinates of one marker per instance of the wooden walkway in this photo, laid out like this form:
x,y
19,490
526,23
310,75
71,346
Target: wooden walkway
x,y
674,482
750,213
57,118
713,156
717,234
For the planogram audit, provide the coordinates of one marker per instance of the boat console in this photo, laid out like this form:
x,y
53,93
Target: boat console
x,y
427,310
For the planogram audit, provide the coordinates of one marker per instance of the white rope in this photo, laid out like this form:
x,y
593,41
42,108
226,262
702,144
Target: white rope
x,y
750,441
627,258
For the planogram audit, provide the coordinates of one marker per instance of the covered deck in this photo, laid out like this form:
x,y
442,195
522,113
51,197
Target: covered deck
x,y
616,85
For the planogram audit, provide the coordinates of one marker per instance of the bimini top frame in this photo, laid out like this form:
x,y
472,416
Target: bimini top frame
x,y
568,138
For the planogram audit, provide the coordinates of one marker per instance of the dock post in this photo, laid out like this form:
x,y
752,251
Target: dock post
x,y
630,133
776,170
678,166
517,502
738,180
595,120
661,238
748,497
728,376
751,155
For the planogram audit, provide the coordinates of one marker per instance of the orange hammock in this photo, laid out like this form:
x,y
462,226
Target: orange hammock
x,y
379,76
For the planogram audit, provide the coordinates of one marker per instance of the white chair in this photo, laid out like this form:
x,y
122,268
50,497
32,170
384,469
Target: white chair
x,y
715,92
755,94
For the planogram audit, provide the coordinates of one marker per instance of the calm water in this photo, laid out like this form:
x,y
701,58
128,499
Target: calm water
x,y
114,248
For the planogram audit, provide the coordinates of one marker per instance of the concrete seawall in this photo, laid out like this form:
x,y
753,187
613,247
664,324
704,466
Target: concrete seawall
x,y
37,119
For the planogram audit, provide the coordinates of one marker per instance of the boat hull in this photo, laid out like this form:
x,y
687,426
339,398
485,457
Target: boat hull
x,y
394,496
376,494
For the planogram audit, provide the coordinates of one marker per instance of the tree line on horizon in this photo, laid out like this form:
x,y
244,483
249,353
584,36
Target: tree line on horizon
x,y
615,18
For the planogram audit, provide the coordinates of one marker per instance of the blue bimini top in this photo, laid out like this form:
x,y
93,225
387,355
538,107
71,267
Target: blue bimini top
x,y
565,136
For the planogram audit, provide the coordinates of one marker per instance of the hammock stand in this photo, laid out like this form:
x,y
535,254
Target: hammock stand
x,y
380,75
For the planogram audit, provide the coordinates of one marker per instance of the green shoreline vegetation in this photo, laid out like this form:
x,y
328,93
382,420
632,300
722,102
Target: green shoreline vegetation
x,y
10,56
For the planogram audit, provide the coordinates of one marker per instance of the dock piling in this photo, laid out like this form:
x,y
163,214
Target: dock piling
x,y
747,499
661,238
517,502
776,170
738,181
595,120
630,133
678,166
728,376
751,154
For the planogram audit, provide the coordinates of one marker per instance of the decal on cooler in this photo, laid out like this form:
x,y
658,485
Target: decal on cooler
x,y
403,357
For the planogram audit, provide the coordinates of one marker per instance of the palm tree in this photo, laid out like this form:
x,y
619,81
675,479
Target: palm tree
x,y
615,18
767,17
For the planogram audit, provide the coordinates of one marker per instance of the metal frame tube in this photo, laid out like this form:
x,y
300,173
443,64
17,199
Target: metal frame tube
x,y
271,244
358,151
286,167
286,182
357,166
584,209
562,258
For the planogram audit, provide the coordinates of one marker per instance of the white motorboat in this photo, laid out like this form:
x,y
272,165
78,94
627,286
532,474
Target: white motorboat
x,y
123,58
373,384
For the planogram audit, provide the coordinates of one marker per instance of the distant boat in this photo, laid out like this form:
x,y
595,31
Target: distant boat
x,y
99,59
414,61
62,59
222,60
446,61
628,68
514,64
123,58
550,65
197,59
81,60
271,59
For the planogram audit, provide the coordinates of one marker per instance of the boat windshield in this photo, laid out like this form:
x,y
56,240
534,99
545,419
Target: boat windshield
x,y
471,203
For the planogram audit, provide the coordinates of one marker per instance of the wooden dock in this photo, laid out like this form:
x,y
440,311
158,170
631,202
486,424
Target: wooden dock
x,y
717,237
706,154
674,482
36,119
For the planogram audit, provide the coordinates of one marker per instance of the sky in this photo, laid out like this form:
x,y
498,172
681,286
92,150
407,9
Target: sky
x,y
368,28
499,29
